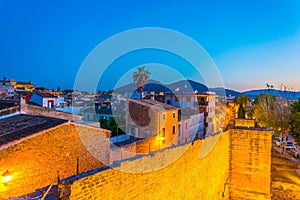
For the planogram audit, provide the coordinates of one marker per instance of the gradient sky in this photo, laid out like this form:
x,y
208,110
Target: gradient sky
x,y
252,42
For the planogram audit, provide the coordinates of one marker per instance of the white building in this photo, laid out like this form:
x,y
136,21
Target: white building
x,y
204,102
44,100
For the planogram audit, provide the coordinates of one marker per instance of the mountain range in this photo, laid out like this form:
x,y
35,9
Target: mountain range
x,y
254,93
184,86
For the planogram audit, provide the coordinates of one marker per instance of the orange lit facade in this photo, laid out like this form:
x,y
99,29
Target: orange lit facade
x,y
150,119
18,85
55,93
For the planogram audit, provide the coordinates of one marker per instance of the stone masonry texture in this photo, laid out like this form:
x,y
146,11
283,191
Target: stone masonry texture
x,y
250,164
235,164
35,161
201,172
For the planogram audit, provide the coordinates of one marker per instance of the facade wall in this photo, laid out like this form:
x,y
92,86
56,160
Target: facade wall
x,y
206,103
168,127
183,131
196,125
188,176
46,102
34,162
144,122
250,164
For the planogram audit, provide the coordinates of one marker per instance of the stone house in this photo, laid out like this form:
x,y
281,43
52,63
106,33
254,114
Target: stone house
x,y
152,119
45,100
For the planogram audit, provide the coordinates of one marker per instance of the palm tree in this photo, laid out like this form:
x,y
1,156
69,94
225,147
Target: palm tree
x,y
140,78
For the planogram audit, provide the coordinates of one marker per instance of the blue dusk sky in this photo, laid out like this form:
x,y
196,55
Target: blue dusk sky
x,y
251,42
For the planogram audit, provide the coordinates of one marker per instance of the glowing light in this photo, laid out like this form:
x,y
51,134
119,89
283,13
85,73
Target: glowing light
x,y
6,177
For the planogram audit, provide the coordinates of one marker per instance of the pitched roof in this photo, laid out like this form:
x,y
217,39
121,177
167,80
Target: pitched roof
x,y
154,104
20,126
45,95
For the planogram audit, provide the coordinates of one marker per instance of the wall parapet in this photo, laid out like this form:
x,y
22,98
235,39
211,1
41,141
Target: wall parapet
x,y
245,122
40,111
8,111
158,175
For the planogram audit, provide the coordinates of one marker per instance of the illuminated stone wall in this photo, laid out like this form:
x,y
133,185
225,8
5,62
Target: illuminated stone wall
x,y
250,164
201,172
232,165
245,123
35,161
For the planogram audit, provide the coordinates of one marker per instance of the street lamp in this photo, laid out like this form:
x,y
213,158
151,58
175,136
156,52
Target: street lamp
x,y
6,177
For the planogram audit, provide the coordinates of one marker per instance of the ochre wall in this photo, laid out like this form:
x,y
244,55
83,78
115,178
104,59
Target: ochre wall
x,y
250,164
235,164
35,161
168,124
245,122
200,173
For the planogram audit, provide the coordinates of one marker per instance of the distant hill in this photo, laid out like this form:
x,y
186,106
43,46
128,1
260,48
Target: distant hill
x,y
278,93
220,92
182,86
187,86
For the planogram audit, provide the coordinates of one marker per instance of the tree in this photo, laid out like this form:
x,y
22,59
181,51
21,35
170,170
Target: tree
x,y
103,123
262,106
140,78
66,91
273,112
113,125
295,120
241,112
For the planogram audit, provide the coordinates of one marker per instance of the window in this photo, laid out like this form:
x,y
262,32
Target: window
x,y
173,129
164,136
188,99
186,125
164,116
179,129
174,114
